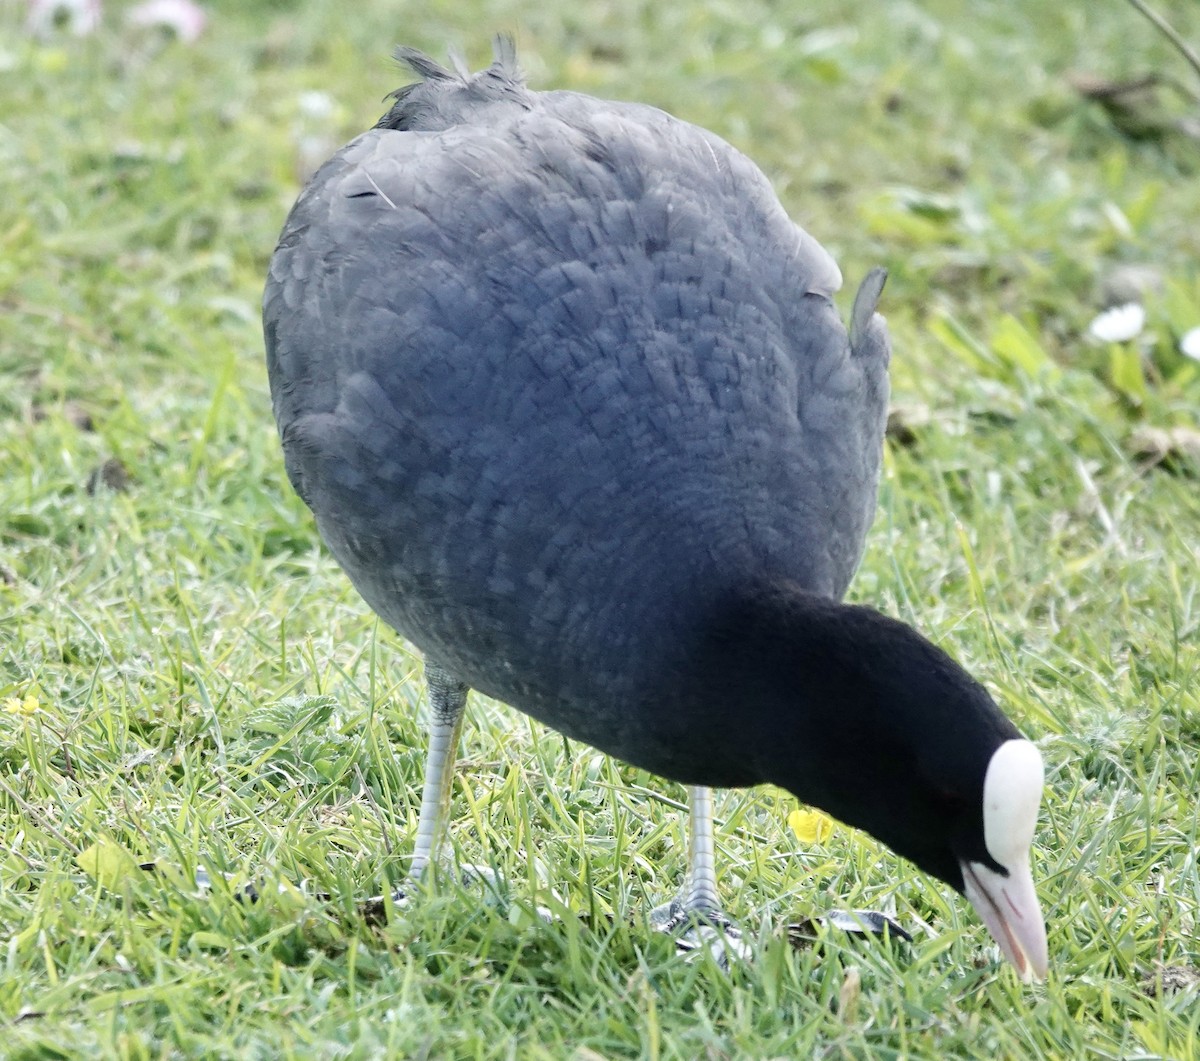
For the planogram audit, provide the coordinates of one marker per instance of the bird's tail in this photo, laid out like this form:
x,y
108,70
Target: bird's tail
x,y
863,325
443,96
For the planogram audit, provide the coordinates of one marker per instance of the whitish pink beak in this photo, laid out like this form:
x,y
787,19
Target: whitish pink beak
x,y
1008,905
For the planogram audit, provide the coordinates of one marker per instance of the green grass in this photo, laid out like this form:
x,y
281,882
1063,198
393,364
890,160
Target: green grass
x,y
211,693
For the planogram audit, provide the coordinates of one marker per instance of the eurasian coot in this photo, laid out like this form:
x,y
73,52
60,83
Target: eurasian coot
x,y
568,396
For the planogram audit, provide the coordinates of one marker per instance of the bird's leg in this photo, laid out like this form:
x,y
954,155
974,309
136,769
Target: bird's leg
x,y
447,708
700,893
696,915
447,704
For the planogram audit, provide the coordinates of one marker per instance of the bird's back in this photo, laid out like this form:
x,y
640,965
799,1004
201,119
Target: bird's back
x,y
552,373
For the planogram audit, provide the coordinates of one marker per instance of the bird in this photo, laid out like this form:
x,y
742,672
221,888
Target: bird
x,y
568,396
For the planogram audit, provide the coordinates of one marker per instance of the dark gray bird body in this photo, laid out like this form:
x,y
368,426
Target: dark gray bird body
x,y
567,395
558,377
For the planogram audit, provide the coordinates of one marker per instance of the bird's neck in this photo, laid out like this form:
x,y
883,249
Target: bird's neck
x,y
820,688
788,665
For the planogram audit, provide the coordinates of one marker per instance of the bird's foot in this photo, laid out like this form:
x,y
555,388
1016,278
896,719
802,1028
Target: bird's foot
x,y
700,929
481,879
469,877
865,924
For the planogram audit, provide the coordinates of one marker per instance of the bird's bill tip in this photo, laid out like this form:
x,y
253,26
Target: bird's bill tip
x,y
1008,906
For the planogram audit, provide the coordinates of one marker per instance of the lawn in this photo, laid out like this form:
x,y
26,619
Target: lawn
x,y
189,683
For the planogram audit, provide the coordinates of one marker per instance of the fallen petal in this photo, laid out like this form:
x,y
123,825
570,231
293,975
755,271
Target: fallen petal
x,y
182,17
1119,324
81,17
1189,345
810,826
315,104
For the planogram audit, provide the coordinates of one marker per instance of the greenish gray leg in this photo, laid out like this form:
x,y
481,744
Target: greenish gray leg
x,y
447,703
700,895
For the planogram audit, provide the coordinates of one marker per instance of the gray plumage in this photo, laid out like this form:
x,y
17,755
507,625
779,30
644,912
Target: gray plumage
x,y
557,376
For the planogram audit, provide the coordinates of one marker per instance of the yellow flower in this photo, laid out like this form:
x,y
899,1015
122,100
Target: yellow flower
x,y
810,826
16,706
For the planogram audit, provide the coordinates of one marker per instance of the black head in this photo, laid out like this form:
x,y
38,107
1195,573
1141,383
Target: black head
x,y
860,715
